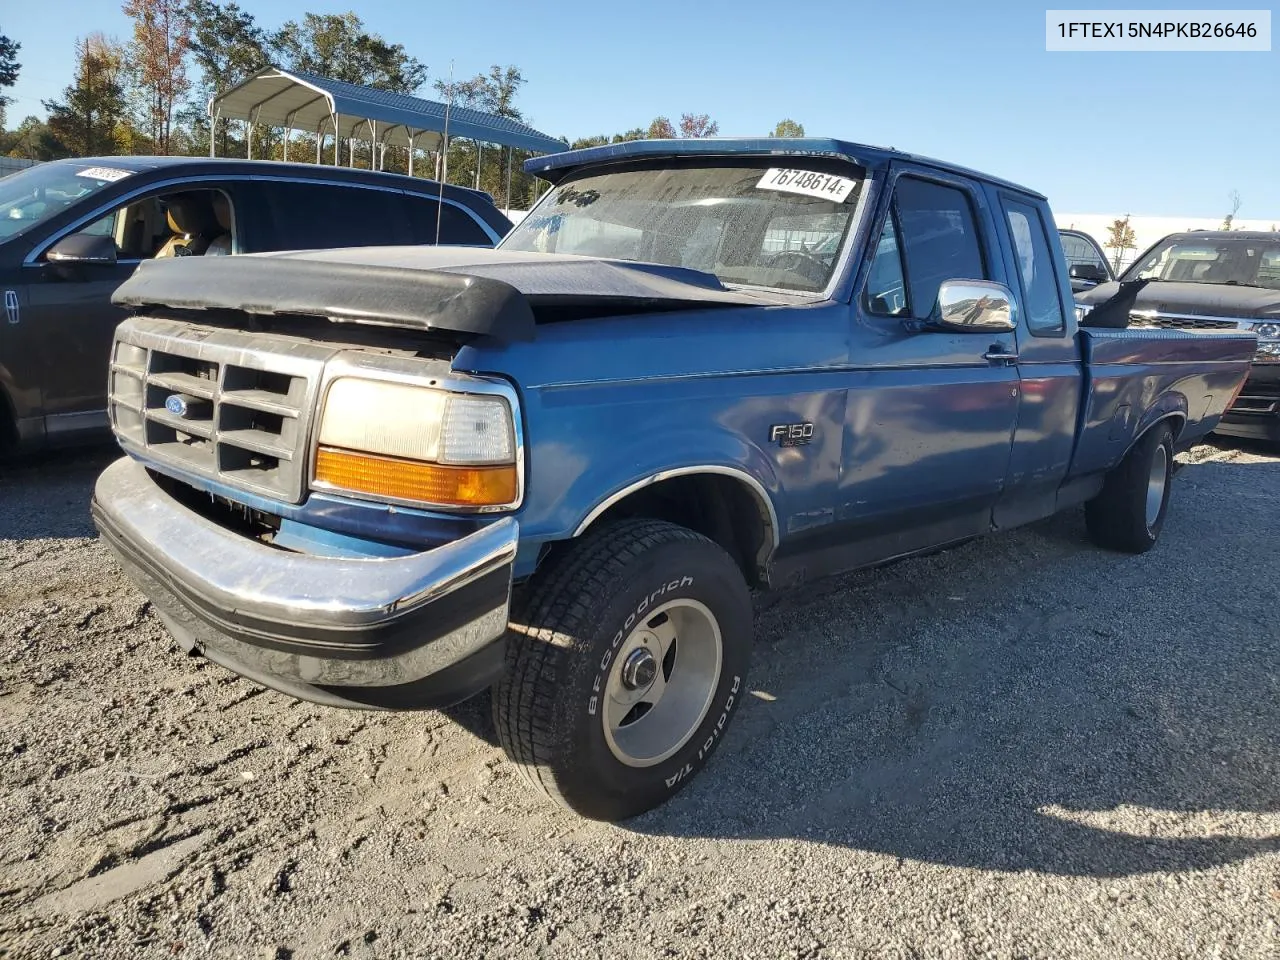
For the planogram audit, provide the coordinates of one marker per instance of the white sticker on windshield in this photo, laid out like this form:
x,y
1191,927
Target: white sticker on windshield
x,y
111,174
825,185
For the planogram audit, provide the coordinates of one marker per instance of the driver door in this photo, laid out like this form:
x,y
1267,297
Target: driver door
x,y
70,312
931,413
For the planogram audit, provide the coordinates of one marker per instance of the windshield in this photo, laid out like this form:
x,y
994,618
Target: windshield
x,y
750,222
41,192
1236,261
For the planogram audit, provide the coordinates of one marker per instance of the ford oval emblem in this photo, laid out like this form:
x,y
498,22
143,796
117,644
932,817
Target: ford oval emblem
x,y
177,405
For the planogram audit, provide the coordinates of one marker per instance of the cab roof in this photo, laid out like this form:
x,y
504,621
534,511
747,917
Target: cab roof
x,y
555,167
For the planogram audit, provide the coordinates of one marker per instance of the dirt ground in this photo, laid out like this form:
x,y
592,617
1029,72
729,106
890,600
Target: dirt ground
x,y
1024,747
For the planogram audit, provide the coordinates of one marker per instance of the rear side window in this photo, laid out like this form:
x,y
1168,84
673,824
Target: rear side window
x,y
312,216
938,238
457,226
1039,281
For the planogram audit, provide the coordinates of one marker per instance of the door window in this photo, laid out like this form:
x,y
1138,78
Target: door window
x,y
886,292
174,224
311,216
1036,274
931,236
457,226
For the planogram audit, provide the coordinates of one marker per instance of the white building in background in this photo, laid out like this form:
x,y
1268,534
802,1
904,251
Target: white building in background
x,y
1147,230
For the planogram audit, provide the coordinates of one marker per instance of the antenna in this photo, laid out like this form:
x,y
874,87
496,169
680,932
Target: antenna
x,y
444,146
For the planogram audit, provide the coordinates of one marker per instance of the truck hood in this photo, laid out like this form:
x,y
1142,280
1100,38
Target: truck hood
x,y
1195,299
467,290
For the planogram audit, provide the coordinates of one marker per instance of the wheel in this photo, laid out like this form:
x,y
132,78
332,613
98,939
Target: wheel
x,y
626,658
1129,512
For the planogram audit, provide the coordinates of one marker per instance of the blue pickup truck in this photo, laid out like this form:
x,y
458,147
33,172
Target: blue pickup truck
x,y
395,477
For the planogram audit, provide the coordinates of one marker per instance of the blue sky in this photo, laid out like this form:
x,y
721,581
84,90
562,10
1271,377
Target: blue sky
x,y
1146,133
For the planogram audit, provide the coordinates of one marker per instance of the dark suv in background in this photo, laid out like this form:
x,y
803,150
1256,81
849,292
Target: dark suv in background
x,y
72,231
1216,280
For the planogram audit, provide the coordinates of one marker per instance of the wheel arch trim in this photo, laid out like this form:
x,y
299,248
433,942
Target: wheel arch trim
x,y
763,500
1172,410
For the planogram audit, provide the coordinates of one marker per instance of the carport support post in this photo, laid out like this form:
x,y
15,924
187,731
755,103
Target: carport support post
x,y
253,122
510,153
479,156
213,132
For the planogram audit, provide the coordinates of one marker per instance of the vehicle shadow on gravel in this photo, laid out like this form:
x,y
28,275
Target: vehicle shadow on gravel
x,y
1024,702
46,496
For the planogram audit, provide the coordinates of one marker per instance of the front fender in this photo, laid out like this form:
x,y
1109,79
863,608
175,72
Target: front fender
x,y
592,484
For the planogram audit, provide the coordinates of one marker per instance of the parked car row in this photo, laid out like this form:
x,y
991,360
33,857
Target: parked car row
x,y
392,477
72,231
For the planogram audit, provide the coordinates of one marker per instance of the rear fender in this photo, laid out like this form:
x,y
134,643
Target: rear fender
x,y
1172,408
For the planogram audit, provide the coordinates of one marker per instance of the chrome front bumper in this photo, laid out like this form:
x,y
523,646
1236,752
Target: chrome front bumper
x,y
409,632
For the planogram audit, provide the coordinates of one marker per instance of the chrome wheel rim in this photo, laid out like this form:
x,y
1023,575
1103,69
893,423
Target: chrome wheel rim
x,y
661,683
1156,484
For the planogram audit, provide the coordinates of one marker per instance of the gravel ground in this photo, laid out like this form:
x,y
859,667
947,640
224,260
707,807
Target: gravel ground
x,y
1025,747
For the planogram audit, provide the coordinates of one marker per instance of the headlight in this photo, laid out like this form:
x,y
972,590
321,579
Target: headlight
x,y
1268,342
416,444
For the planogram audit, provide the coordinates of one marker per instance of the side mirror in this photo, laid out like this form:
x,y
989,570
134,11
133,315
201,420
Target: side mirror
x,y
1089,271
973,306
83,248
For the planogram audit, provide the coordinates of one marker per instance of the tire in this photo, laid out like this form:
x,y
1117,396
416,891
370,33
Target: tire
x,y
1125,515
634,601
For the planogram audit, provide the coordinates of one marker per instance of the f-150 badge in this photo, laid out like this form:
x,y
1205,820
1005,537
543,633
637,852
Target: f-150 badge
x,y
791,434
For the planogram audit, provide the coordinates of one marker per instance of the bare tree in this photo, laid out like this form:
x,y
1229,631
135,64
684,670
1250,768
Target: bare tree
x,y
1120,238
1234,197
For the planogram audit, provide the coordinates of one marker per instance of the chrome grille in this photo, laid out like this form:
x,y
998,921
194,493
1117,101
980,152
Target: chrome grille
x,y
1175,322
228,406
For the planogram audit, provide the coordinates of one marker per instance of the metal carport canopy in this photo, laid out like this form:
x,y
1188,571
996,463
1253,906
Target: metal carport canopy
x,y
303,101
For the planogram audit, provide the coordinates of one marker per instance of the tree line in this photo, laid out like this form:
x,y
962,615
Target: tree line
x,y
148,94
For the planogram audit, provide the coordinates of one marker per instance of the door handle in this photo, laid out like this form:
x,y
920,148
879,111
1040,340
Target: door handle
x,y
999,354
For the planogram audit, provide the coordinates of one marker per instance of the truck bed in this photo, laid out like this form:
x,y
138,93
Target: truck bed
x,y
1135,377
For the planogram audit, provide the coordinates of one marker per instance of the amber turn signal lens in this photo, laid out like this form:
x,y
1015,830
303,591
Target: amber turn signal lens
x,y
427,483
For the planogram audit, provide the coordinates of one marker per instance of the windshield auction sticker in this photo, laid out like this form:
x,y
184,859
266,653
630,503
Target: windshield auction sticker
x,y
110,174
824,185
1157,31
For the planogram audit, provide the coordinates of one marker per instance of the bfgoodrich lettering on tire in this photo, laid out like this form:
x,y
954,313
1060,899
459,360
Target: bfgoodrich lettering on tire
x,y
626,661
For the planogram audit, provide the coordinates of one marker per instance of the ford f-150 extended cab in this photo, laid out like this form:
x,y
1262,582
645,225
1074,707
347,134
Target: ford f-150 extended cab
x,y
392,478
